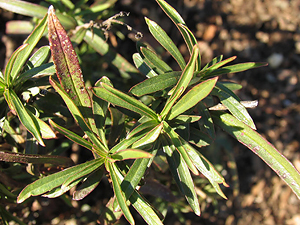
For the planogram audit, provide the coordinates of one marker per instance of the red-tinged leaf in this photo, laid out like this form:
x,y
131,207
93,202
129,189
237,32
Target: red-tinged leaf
x,y
67,66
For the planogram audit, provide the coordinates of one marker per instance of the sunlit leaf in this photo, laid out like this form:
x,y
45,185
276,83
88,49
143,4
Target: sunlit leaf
x,y
192,97
182,176
118,192
118,98
15,103
52,181
183,82
231,101
261,147
142,66
161,36
130,154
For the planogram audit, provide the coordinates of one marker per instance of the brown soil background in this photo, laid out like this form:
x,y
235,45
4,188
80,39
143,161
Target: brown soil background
x,y
253,30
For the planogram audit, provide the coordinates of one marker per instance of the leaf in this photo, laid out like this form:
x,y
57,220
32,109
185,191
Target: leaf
x,y
15,104
186,119
82,173
144,125
205,167
236,68
118,98
155,84
45,69
137,201
34,10
67,67
72,136
154,62
118,192
188,36
32,41
130,154
183,82
190,41
174,138
191,98
38,58
52,181
229,99
10,64
261,147
161,36
215,66
78,117
182,176
99,108
34,159
212,62
89,184
149,137
142,66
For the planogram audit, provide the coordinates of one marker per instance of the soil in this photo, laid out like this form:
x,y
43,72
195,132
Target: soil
x,y
254,30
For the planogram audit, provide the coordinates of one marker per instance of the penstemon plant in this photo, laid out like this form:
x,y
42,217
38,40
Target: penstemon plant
x,y
163,120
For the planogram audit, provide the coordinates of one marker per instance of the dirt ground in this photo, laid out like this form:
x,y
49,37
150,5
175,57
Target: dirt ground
x,y
253,30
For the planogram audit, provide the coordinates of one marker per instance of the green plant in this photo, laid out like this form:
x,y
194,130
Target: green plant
x,y
164,120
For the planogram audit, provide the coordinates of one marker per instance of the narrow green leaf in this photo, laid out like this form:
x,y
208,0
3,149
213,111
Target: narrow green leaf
x,y
174,138
231,86
58,191
38,58
67,67
32,41
155,84
161,36
190,41
118,98
182,176
138,202
186,119
154,62
149,137
52,181
136,172
118,192
82,173
261,147
78,116
35,10
199,138
46,131
142,66
214,67
235,68
35,159
191,98
15,103
99,111
72,136
148,124
45,69
183,82
126,69
89,184
205,167
229,99
130,154
212,62
11,62
188,36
